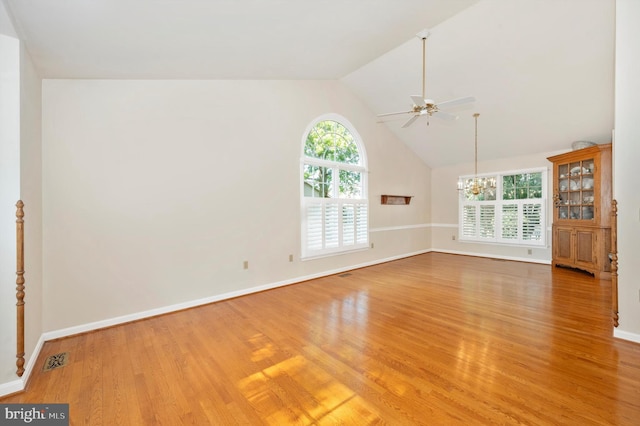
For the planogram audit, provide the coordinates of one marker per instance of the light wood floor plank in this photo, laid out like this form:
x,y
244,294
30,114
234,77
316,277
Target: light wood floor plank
x,y
432,339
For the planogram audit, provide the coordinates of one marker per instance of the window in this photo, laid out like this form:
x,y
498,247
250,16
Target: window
x,y
335,208
506,207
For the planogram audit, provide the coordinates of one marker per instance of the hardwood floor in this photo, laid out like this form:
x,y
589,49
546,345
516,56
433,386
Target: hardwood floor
x,y
434,339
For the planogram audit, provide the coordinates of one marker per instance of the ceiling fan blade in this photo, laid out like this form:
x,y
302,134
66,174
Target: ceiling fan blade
x,y
418,100
410,121
445,115
394,113
455,102
424,106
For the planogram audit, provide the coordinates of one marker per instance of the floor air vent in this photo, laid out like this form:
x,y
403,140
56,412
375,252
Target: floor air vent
x,y
55,361
344,275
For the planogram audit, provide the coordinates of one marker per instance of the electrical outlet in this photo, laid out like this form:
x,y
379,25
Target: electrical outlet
x,y
371,245
290,258
529,251
453,238
245,265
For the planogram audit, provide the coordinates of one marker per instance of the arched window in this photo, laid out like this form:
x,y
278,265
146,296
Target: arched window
x,y
334,189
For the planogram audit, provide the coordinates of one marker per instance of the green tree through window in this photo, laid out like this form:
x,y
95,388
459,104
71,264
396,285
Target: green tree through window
x,y
331,141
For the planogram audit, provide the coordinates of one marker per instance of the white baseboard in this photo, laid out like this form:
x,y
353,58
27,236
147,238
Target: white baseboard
x,y
12,387
625,335
20,383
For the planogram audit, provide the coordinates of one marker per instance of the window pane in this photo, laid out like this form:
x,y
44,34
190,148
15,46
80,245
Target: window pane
x,y
311,144
488,185
522,186
535,179
480,189
535,191
535,185
350,184
331,141
318,181
468,189
508,188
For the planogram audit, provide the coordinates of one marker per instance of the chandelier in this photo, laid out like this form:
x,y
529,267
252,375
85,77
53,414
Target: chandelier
x,y
476,185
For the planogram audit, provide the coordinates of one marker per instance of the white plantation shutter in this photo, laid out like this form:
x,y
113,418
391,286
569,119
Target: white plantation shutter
x,y
333,224
487,221
362,224
314,230
532,222
478,222
348,225
509,222
469,221
331,232
354,224
522,222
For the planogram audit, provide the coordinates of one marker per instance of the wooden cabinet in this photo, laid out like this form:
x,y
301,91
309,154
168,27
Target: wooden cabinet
x,y
582,248
581,236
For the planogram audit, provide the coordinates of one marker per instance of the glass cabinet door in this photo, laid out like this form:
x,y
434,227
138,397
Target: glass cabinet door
x,y
575,186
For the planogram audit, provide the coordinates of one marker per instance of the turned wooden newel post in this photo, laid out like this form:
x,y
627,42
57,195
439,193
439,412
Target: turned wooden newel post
x,y
614,261
20,286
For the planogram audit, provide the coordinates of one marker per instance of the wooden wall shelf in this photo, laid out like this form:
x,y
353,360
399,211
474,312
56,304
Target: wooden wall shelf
x,y
396,200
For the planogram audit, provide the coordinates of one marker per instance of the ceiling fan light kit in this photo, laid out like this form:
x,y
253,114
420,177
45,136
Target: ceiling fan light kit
x,y
423,106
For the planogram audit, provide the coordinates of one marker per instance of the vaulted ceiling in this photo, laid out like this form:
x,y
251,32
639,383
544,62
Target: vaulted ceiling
x,y
542,73
541,70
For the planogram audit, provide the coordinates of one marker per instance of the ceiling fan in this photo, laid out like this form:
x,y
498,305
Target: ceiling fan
x,y
422,106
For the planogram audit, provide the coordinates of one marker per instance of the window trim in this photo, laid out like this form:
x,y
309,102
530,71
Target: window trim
x,y
305,202
498,204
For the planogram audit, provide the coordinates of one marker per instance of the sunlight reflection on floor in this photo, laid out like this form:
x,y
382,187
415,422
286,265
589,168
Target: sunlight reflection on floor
x,y
297,379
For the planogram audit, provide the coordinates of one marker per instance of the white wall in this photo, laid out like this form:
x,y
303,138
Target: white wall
x,y
31,195
155,192
626,158
9,195
20,178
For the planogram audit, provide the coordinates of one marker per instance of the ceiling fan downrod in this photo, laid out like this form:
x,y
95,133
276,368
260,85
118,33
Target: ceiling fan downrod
x,y
423,35
424,71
